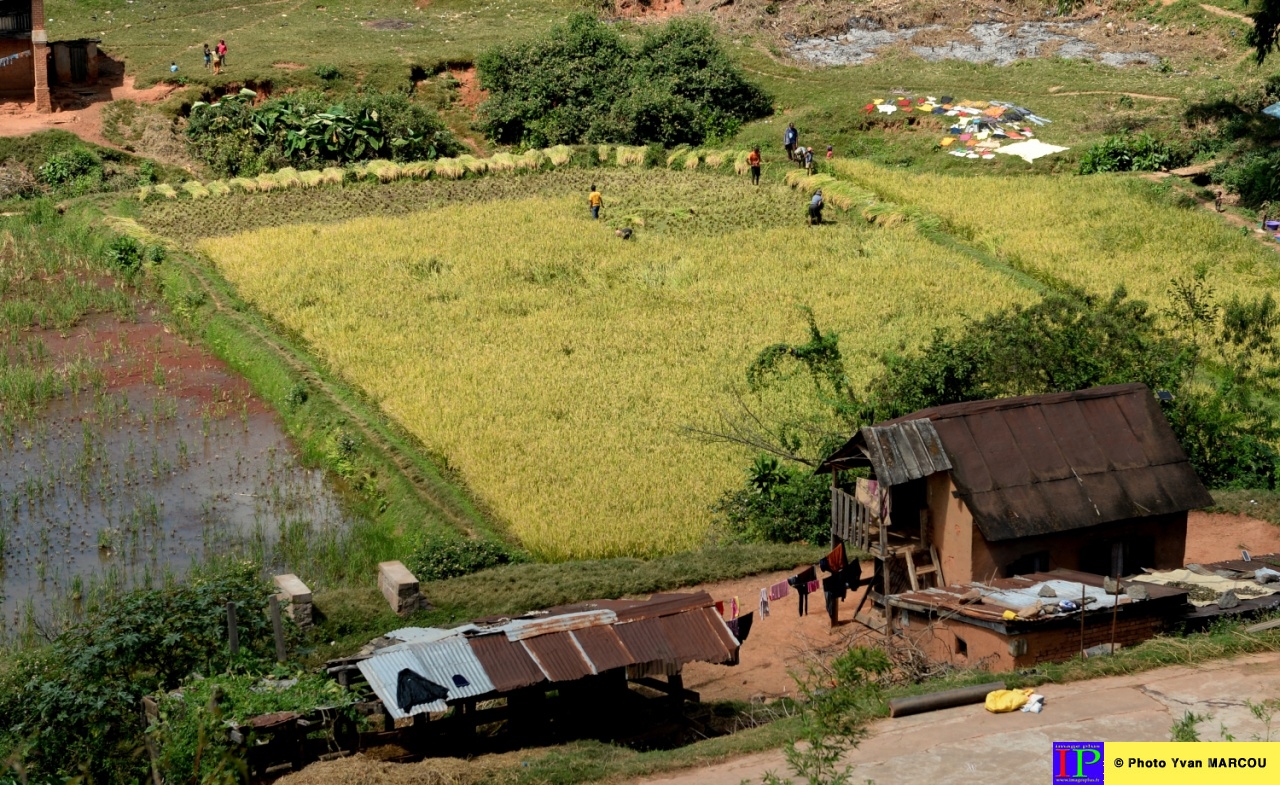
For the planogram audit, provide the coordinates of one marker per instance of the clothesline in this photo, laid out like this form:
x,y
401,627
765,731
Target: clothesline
x,y
805,583
13,58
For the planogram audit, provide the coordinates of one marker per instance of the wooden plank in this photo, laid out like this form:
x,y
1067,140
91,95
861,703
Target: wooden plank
x,y
1266,625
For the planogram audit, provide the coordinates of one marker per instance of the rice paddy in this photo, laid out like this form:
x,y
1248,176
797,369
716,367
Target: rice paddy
x,y
1095,232
556,368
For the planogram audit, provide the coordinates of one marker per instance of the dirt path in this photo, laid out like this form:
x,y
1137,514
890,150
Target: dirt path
x,y
969,744
86,123
1054,92
785,640
1213,9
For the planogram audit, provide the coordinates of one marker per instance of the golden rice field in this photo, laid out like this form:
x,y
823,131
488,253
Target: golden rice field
x,y
556,366
1095,232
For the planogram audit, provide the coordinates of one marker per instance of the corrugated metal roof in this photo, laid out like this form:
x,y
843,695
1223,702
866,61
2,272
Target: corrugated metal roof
x,y
441,661
694,637
559,656
520,629
508,664
1042,464
603,648
424,634
646,640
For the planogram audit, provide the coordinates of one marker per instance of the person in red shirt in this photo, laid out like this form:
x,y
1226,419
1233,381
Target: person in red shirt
x,y
753,160
222,56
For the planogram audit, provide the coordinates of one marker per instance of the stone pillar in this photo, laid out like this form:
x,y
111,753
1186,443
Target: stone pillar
x,y
296,599
399,586
40,57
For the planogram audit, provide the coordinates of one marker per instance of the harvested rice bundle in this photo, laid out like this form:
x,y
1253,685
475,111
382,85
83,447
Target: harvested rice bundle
x,y
287,178
474,165
631,156
503,162
417,170
218,188
532,160
559,155
245,184
450,169
166,190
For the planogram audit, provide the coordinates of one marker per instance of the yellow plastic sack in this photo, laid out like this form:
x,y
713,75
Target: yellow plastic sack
x,y
1000,701
1008,615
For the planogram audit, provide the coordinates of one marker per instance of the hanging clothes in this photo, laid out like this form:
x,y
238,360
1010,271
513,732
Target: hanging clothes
x,y
801,581
835,559
764,603
779,590
811,587
733,608
744,627
720,608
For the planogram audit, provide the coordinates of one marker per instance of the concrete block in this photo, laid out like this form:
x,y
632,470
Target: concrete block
x,y
295,597
399,586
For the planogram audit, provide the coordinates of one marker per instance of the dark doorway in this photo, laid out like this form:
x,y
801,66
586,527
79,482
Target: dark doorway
x,y
1118,557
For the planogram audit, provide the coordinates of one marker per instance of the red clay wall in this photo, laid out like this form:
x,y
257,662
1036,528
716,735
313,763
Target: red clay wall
x,y
996,652
1168,531
18,78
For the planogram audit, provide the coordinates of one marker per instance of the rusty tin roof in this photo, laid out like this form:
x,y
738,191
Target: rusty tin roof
x,y
507,662
559,656
1042,464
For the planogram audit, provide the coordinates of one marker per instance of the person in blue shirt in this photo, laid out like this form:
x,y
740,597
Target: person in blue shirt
x,y
815,208
790,138
173,68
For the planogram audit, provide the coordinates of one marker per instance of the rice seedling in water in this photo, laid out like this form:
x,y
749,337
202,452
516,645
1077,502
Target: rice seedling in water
x,y
559,372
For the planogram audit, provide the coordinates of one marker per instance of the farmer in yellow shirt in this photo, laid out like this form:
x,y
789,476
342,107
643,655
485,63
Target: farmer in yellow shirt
x,y
595,200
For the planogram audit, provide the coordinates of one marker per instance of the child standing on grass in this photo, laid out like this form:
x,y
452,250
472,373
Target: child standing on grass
x,y
208,56
753,160
595,201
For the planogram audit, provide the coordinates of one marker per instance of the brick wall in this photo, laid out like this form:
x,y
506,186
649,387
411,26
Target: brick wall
x,y
969,645
17,78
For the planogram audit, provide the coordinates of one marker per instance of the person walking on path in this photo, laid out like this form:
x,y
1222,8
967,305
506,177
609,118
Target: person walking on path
x,y
753,160
815,208
790,138
595,201
208,56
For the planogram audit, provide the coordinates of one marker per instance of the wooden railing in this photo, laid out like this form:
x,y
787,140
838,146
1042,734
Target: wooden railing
x,y
853,522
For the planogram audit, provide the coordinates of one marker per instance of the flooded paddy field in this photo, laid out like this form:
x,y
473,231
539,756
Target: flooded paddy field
x,y
156,456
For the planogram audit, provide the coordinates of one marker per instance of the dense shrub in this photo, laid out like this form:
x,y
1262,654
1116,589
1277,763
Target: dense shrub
x,y
72,708
1131,152
439,557
1254,176
304,131
583,83
778,503
77,170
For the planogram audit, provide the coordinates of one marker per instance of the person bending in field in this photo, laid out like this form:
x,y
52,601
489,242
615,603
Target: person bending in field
x,y
595,201
790,138
815,208
753,160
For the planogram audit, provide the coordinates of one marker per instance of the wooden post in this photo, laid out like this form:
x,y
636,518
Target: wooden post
x,y
277,625
836,516
1115,610
1082,597
233,635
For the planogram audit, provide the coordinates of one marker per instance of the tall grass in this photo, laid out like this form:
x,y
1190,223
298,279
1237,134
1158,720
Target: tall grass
x,y
556,367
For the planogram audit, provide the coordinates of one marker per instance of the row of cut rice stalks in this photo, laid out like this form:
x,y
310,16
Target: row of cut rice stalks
x,y
848,196
456,169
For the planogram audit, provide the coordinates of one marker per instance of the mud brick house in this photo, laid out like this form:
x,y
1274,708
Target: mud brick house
x,y
993,523
24,53
1091,480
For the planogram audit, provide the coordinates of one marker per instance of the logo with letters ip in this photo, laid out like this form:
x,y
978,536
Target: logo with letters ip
x,y
1078,762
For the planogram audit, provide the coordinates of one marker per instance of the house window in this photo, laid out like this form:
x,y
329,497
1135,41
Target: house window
x,y
962,648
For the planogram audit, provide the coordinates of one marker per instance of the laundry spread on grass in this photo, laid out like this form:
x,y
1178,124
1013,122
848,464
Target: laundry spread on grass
x,y
979,129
